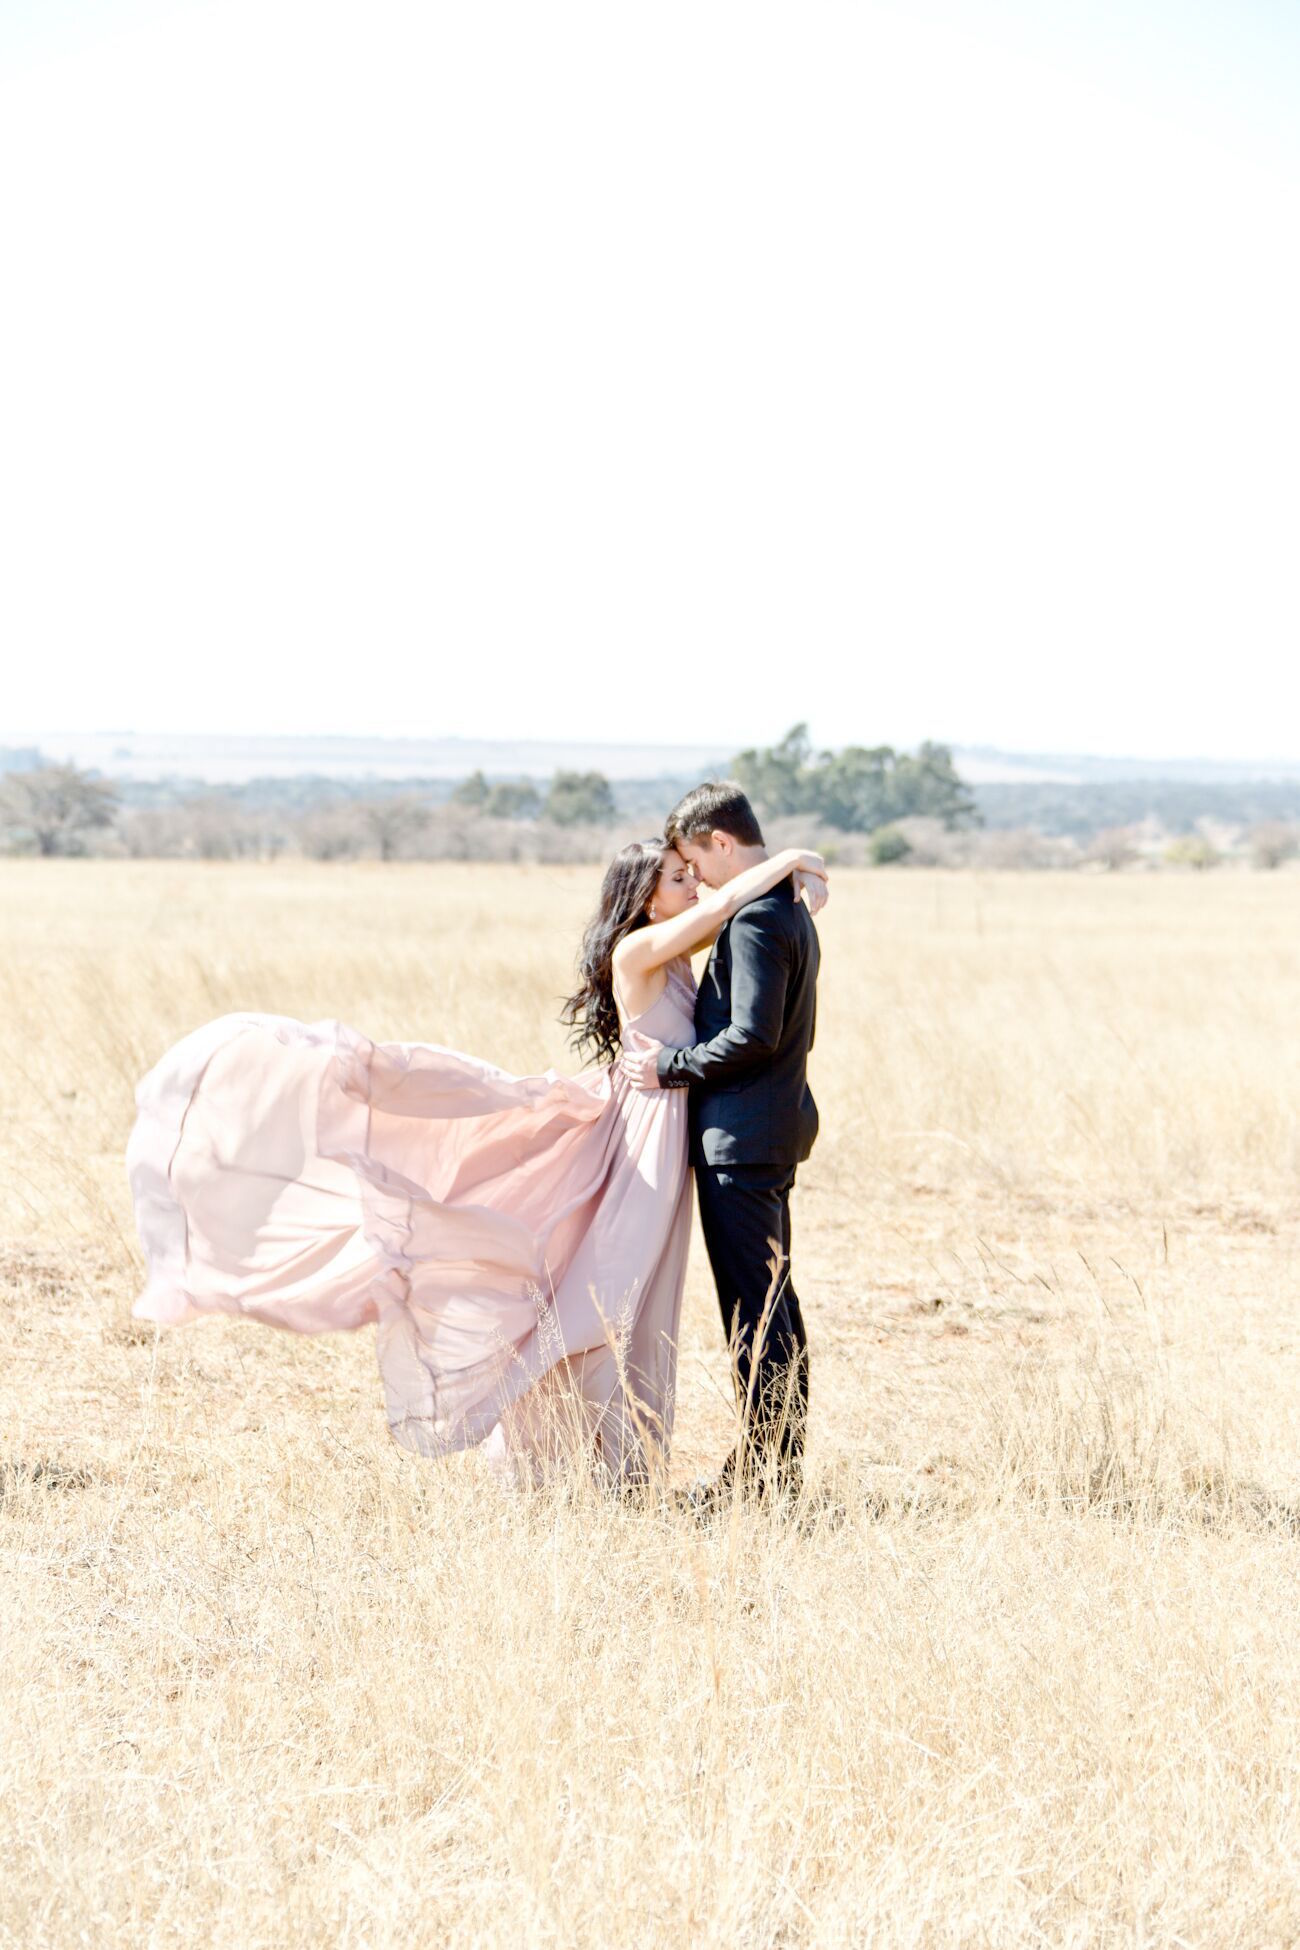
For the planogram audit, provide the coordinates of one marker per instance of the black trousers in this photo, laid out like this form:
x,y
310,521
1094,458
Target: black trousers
x,y
745,1214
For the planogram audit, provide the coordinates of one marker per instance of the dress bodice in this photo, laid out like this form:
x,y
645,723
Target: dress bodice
x,y
671,1017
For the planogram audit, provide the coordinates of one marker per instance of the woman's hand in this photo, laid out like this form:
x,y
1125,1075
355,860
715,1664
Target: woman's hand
x,y
811,888
810,877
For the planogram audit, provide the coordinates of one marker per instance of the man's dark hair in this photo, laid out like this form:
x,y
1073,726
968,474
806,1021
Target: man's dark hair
x,y
713,808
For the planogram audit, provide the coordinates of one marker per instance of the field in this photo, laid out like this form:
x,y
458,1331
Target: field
x,y
1027,1672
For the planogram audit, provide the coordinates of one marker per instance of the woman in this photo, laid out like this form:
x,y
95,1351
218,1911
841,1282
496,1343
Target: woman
x,y
520,1242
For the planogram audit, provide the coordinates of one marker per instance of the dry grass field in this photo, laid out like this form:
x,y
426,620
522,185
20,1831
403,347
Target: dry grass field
x,y
1028,1672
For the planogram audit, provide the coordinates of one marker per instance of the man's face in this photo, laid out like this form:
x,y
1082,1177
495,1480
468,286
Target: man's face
x,y
711,858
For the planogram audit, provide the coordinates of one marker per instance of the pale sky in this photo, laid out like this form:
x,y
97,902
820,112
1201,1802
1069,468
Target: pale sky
x,y
659,373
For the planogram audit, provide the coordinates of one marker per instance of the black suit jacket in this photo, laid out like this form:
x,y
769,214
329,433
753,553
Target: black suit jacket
x,y
756,1015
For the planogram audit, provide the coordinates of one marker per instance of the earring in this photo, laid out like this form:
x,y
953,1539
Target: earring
x,y
653,915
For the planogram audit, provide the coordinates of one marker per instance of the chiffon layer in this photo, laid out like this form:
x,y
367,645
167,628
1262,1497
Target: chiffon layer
x,y
517,1241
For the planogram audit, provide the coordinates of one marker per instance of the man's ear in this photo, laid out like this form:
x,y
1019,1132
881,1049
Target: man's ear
x,y
723,841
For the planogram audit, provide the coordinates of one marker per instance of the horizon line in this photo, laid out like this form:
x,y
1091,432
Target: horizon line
x,y
981,749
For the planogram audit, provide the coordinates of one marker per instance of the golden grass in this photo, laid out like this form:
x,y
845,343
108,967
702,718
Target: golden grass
x,y
1026,1673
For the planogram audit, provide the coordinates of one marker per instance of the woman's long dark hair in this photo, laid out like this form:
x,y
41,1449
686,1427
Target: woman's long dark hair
x,y
625,893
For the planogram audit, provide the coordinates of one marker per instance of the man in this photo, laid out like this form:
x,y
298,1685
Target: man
x,y
752,1122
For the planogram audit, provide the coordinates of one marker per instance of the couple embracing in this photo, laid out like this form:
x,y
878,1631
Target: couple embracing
x,y
520,1243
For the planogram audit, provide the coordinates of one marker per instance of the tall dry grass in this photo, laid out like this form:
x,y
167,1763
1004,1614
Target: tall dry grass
x,y
1026,1672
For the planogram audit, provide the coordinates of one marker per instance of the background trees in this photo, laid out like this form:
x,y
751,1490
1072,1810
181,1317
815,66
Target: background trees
x,y
1272,843
392,822
863,805
513,799
858,788
580,798
776,779
57,806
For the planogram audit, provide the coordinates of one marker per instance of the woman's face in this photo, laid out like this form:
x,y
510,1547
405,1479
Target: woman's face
x,y
675,890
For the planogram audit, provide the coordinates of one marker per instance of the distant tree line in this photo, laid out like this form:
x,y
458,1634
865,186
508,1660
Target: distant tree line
x,y
1079,811
572,799
867,805
859,788
58,810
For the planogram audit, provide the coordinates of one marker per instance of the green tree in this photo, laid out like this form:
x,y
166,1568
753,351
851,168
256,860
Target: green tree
x,y
580,799
929,785
471,792
513,799
776,780
57,805
1192,850
854,788
857,788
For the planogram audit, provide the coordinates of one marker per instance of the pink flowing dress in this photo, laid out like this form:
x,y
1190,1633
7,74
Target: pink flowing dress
x,y
519,1242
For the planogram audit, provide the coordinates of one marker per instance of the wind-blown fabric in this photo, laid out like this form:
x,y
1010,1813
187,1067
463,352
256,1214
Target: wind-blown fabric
x,y
508,1236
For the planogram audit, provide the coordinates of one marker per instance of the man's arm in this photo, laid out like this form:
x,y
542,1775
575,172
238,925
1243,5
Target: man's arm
x,y
760,971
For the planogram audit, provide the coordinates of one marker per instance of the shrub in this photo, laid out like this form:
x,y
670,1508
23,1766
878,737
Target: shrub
x,y
1272,842
889,846
56,806
1192,850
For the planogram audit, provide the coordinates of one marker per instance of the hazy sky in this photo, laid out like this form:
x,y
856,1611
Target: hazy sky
x,y
660,372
